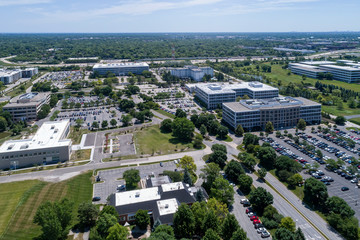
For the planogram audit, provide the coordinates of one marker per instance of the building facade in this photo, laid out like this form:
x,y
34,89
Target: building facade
x,y
193,72
29,72
121,69
48,145
26,107
10,76
282,112
213,95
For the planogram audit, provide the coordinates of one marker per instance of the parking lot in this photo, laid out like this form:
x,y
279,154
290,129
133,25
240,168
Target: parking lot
x,y
112,178
62,79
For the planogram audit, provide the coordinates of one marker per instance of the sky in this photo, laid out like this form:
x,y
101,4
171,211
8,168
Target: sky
x,y
118,16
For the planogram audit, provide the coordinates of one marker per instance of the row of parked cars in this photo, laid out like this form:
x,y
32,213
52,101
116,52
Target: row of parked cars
x,y
310,153
356,139
340,142
260,228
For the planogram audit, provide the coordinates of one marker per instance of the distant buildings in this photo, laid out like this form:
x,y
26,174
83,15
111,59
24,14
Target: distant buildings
x,y
48,145
26,106
10,76
213,95
253,114
342,70
121,69
193,72
161,201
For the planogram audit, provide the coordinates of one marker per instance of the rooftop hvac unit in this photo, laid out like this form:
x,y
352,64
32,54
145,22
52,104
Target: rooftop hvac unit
x,y
137,194
166,205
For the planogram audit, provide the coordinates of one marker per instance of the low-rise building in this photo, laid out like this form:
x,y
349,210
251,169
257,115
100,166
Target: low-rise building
x,y
213,95
10,76
26,107
194,72
160,201
253,114
121,69
48,145
29,72
349,74
306,70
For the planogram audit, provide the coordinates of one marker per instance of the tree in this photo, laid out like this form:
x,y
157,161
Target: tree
x,y
118,232
283,234
213,127
229,226
239,131
132,177
245,183
219,147
87,214
269,127
79,122
166,125
267,157
183,128
187,177
3,124
288,164
180,113
240,234
44,111
295,180
203,130
109,210
222,191
222,131
315,192
248,160
95,124
198,141
301,124
288,223
250,139
104,222
210,172
211,221
340,120
220,208
166,229
199,210
126,118
104,124
184,222
113,122
54,219
187,162
260,198
142,219
211,235
233,169
319,153
262,173
338,205
299,235
218,157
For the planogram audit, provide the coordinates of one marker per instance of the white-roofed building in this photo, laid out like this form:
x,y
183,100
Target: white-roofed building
x,y
121,69
193,72
10,76
48,145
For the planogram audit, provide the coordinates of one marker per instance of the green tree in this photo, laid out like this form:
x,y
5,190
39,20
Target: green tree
x,y
132,177
211,235
166,125
315,192
233,169
187,177
301,124
269,127
267,157
166,229
3,124
229,226
199,210
184,222
340,120
338,205
203,130
104,124
109,210
250,139
142,219
87,214
198,141
211,221
44,111
222,131
104,222
239,131
220,208
113,122
218,157
210,172
183,128
295,180
245,183
288,223
222,191
283,234
260,199
126,118
180,113
95,124
187,162
118,232
248,160
240,234
262,173
219,147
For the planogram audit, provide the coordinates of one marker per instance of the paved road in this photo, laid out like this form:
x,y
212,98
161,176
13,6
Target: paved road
x,y
352,116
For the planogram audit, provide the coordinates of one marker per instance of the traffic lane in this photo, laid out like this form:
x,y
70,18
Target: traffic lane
x,y
239,211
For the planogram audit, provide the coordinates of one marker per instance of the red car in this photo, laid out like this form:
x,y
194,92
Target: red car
x,y
252,218
256,221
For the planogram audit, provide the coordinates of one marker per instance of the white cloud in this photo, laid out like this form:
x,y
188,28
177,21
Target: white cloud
x,y
22,2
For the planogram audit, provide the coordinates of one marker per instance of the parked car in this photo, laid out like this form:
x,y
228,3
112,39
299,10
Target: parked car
x,y
95,199
265,234
261,229
250,209
344,189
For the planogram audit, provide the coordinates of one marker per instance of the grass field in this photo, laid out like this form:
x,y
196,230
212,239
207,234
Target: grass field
x,y
76,135
355,120
80,155
4,136
165,113
152,141
23,198
17,90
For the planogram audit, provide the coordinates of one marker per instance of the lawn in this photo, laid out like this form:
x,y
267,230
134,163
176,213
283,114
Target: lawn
x,y
355,120
165,113
152,141
23,199
17,90
335,111
298,191
80,155
76,135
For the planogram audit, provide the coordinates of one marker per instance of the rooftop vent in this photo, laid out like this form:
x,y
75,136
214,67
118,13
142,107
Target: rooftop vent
x,y
10,147
25,146
166,205
52,126
137,194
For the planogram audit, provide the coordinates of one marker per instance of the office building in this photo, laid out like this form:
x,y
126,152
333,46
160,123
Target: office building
x,y
26,107
10,76
29,72
193,72
160,201
213,95
307,70
121,69
349,74
48,145
253,114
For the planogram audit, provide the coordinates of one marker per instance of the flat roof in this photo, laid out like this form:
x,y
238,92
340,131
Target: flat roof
x,y
215,88
48,135
345,68
311,68
137,196
8,73
119,65
318,62
27,99
167,206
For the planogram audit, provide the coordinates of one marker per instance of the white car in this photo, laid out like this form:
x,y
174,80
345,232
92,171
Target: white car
x,y
354,181
250,214
261,230
243,200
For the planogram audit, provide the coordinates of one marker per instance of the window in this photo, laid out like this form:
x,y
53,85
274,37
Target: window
x,y
122,218
131,218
